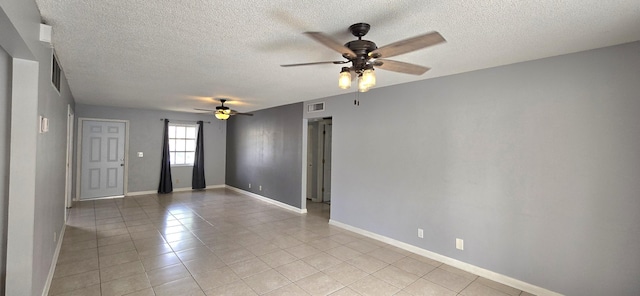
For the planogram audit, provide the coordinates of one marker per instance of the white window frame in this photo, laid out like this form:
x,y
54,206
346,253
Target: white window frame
x,y
174,137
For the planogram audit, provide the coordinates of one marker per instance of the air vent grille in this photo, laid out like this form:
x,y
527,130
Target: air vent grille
x,y
55,72
315,107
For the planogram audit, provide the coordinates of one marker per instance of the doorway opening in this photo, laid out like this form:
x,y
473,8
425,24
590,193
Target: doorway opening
x,y
319,134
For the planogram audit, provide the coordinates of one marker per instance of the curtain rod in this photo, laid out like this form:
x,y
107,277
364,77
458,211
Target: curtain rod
x,y
190,121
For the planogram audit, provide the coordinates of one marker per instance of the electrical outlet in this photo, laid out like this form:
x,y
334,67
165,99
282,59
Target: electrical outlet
x,y
249,185
459,244
420,233
260,187
177,181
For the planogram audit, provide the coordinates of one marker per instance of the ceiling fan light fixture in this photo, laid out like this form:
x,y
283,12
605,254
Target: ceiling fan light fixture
x,y
223,114
367,79
344,79
362,87
364,55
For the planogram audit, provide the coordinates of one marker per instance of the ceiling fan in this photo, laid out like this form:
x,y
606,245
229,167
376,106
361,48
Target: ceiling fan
x,y
364,55
223,112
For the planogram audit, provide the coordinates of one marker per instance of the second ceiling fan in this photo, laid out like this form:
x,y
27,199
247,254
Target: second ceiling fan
x,y
364,55
223,112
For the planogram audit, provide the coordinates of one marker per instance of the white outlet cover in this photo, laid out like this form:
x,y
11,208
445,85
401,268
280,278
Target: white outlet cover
x,y
140,154
420,233
459,244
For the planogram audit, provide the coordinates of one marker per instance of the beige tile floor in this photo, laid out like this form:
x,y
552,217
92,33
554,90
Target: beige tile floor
x,y
219,242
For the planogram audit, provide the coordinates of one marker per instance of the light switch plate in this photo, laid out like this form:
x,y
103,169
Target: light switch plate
x,y
140,154
44,124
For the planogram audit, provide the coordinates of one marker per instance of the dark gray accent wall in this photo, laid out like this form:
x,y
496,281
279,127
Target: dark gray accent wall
x,y
145,135
266,150
535,165
5,137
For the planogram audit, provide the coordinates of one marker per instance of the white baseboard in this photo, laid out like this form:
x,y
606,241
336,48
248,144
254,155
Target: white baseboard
x,y
216,186
136,193
500,278
54,261
269,200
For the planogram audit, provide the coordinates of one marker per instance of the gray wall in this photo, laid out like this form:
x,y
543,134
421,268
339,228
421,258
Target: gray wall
x,y
50,171
37,161
535,165
5,134
145,128
266,150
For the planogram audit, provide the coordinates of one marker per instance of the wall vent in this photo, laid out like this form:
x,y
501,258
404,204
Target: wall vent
x,y
315,107
55,72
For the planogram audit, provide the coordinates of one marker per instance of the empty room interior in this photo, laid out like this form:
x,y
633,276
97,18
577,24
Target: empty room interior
x,y
327,148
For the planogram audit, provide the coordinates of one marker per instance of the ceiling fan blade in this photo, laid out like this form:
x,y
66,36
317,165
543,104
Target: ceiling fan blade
x,y
315,63
407,45
204,109
234,112
401,67
330,43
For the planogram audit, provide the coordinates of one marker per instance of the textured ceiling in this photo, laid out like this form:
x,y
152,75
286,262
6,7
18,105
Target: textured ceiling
x,y
178,55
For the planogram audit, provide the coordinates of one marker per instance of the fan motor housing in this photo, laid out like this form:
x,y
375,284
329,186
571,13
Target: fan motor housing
x,y
361,47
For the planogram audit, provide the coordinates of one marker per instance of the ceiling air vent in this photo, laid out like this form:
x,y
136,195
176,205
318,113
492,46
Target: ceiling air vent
x,y
315,107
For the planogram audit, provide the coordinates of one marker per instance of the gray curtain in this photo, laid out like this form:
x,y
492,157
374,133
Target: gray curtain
x,y
166,186
197,179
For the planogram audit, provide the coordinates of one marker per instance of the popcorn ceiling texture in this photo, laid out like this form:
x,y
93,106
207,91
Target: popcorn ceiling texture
x,y
177,55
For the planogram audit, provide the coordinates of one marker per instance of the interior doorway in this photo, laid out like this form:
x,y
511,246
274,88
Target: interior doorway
x,y
319,134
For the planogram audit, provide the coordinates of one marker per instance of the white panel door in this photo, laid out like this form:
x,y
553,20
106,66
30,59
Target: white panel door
x,y
102,164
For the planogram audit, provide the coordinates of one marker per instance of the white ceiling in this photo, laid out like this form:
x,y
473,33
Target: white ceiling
x,y
178,55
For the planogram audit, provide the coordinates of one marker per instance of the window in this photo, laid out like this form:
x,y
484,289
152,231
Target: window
x,y
182,143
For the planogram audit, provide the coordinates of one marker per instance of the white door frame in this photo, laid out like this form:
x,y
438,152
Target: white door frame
x,y
325,190
79,152
69,162
321,159
305,163
308,170
306,179
320,166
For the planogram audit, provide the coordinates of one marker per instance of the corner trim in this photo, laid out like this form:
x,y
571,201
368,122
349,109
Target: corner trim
x,y
494,276
54,261
268,200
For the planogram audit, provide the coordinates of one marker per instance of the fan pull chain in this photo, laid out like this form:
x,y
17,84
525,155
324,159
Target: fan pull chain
x,y
356,101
